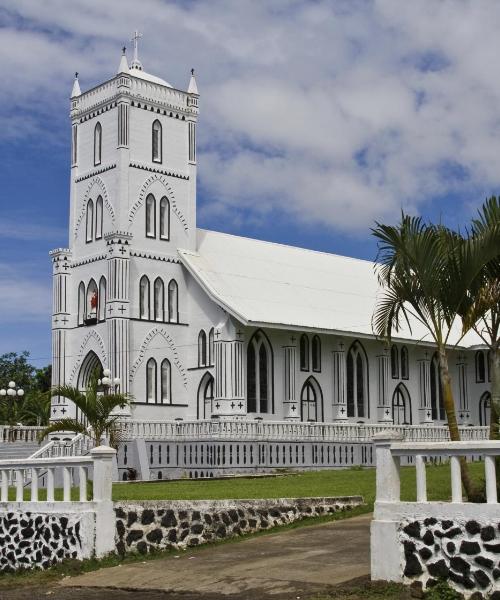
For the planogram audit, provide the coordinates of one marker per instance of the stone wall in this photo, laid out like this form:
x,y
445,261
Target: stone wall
x,y
155,525
464,552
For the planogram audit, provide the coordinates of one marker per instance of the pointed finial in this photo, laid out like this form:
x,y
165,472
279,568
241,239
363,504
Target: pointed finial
x,y
124,49
192,88
123,67
76,87
136,63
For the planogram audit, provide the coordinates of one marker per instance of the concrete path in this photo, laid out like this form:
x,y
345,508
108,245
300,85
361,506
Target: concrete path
x,y
281,565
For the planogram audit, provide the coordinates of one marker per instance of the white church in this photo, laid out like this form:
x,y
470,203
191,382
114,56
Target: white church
x,y
202,326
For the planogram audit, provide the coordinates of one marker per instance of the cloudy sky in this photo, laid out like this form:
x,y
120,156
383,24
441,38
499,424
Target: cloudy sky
x,y
317,118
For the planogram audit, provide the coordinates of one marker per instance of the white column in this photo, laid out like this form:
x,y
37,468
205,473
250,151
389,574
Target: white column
x,y
424,381
339,384
229,397
463,413
292,411
383,408
102,457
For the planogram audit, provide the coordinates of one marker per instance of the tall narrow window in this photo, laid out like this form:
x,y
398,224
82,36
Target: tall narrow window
x,y
394,362
92,303
259,374
304,353
81,303
98,218
74,145
211,347
102,299
166,382
97,144
316,354
164,218
480,367
90,221
251,380
144,298
157,142
202,349
159,300
405,365
263,379
357,382
489,363
437,405
151,381
173,304
150,216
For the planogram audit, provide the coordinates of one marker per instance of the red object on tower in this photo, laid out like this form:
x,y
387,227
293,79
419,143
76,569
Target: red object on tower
x,y
93,300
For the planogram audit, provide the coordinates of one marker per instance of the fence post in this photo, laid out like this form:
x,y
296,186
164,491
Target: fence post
x,y
102,457
387,474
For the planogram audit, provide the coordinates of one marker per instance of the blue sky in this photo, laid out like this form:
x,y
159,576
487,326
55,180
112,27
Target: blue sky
x,y
316,119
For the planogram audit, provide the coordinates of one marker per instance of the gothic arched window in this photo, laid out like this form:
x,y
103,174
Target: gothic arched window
x,y
480,367
405,365
394,362
211,347
437,406
98,218
166,382
90,221
81,303
489,363
357,381
173,302
151,381
202,349
304,352
150,216
92,301
316,354
159,300
157,141
97,144
164,218
102,299
144,298
259,374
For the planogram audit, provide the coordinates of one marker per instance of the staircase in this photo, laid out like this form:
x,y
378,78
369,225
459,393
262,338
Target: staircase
x,y
10,450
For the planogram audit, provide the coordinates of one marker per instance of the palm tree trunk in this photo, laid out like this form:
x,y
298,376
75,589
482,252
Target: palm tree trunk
x,y
451,415
495,402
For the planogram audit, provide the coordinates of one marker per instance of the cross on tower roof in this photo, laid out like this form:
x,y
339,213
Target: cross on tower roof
x,y
136,63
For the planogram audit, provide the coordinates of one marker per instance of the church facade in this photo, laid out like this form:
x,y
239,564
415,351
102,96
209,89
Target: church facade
x,y
199,325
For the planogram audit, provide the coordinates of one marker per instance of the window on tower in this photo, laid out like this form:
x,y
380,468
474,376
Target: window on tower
x,y
98,218
90,221
97,144
144,298
102,299
173,302
150,216
164,219
159,300
157,142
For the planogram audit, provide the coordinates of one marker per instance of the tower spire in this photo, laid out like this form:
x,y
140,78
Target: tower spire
x,y
76,88
136,63
123,68
192,88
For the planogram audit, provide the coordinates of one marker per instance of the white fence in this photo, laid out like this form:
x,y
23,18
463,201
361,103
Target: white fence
x,y
19,433
423,540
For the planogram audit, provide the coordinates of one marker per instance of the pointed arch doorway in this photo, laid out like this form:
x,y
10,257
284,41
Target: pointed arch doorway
x,y
401,406
205,397
90,364
484,409
311,401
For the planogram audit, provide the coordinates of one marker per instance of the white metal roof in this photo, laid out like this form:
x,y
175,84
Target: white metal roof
x,y
274,285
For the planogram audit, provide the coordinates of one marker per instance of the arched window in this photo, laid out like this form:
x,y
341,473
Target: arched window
x,y
81,303
311,401
394,362
316,354
90,220
401,406
489,363
164,219
157,141
144,298
259,374
357,381
405,365
166,382
437,406
159,296
150,216
151,381
97,144
485,409
92,303
304,352
211,347
202,349
480,367
173,305
98,218
102,299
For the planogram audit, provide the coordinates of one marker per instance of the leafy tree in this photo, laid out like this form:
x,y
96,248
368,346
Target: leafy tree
x,y
96,409
419,281
15,367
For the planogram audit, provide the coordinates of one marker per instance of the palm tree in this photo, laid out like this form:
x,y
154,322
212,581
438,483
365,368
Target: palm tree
x,y
418,284
96,409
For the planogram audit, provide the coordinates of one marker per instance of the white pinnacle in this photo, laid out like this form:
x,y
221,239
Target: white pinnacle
x,y
192,88
123,68
136,63
76,91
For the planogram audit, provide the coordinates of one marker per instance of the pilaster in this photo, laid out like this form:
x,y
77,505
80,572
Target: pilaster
x,y
463,390
383,408
229,394
123,149
292,412
424,379
339,384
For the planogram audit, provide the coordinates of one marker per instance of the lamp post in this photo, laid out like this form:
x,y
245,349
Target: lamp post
x,y
107,383
13,391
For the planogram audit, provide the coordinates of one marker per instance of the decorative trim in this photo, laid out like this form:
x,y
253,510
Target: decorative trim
x,y
95,172
88,260
170,173
169,192
144,346
91,334
143,254
57,251
97,181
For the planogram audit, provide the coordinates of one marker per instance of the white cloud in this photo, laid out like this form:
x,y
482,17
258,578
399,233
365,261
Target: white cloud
x,y
23,298
336,112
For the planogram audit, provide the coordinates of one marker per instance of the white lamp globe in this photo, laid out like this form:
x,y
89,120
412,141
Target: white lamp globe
x,y
117,381
3,392
106,381
106,372
20,392
12,384
11,392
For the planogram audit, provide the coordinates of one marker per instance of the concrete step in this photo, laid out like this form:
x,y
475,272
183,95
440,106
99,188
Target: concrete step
x,y
13,450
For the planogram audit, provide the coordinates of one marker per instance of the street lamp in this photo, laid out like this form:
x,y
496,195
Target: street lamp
x,y
12,391
108,383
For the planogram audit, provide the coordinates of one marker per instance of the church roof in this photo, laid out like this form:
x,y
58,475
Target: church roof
x,y
273,285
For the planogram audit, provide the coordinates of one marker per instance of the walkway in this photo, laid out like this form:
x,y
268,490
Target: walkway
x,y
290,564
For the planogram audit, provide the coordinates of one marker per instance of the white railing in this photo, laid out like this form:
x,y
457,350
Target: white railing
x,y
19,433
286,431
80,445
